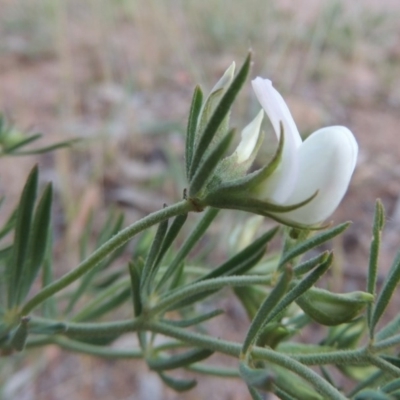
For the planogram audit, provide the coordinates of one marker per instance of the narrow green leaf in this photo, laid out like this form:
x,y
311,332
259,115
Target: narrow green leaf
x,y
85,237
310,264
379,220
147,274
179,385
18,339
262,379
37,242
110,228
179,360
50,305
219,114
254,393
22,143
178,277
370,394
103,308
46,149
386,293
9,225
301,287
240,269
242,258
135,272
21,238
389,330
189,243
283,395
312,242
392,386
192,126
171,235
184,323
209,163
269,303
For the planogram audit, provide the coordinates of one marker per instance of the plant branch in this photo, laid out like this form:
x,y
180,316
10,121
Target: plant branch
x,y
97,256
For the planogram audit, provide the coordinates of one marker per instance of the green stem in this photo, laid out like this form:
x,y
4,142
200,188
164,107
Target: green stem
x,y
340,357
115,242
99,351
233,349
384,365
86,329
204,286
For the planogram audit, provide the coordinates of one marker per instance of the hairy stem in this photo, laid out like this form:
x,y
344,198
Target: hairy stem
x,y
98,255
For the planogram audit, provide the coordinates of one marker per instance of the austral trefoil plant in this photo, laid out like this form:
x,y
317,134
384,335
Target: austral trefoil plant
x,y
161,289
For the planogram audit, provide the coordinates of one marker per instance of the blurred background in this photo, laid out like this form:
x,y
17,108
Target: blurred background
x,y
120,75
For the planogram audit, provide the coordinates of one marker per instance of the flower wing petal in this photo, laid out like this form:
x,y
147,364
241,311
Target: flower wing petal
x,y
327,159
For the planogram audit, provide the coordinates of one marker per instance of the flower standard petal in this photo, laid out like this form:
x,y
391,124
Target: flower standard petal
x,y
280,185
327,159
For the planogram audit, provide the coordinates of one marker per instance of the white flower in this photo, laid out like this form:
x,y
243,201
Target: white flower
x,y
322,164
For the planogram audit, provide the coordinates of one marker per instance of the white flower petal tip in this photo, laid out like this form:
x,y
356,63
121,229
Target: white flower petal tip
x,y
250,135
324,163
327,159
226,78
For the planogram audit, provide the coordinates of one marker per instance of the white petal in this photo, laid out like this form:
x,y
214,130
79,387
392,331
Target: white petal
x,y
249,140
281,183
327,159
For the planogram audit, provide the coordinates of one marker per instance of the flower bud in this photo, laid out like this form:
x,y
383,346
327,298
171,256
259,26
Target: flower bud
x,y
331,309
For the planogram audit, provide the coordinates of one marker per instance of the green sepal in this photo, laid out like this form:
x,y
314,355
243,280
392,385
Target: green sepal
x,y
179,385
256,178
184,323
21,238
245,203
263,312
219,114
312,242
194,113
179,360
386,292
207,166
135,272
37,242
332,309
260,378
20,335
